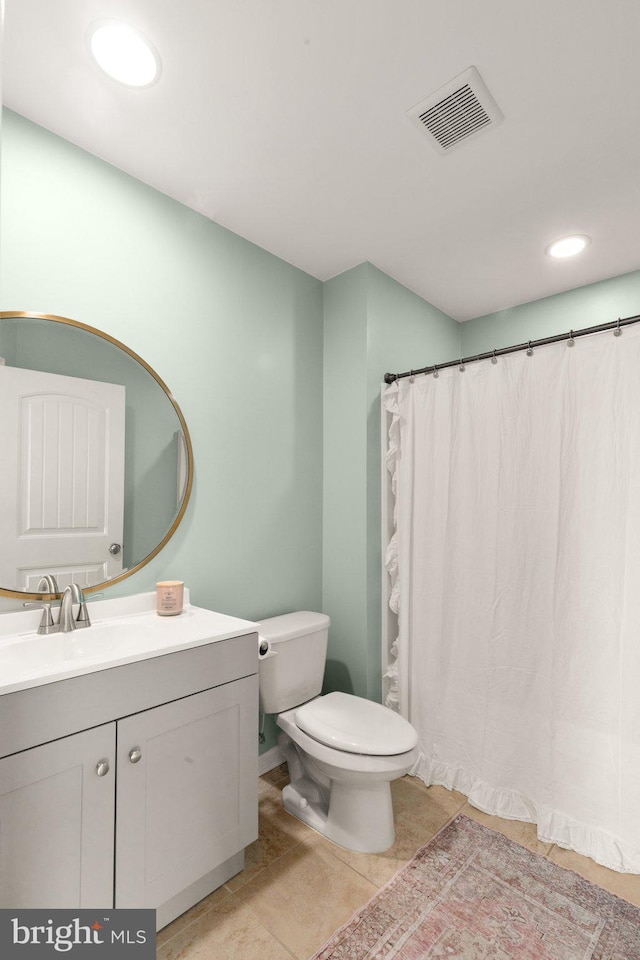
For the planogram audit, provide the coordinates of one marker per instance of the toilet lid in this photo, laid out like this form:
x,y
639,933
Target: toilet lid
x,y
356,725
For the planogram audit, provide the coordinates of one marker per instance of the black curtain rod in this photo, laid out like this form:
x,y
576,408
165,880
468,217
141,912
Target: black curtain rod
x,y
529,345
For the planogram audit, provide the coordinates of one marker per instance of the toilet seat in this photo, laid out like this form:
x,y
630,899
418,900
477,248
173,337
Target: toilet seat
x,y
356,725
344,763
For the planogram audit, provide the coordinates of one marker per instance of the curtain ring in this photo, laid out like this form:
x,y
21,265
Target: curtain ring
x,y
435,370
411,376
529,350
494,359
462,367
571,342
617,330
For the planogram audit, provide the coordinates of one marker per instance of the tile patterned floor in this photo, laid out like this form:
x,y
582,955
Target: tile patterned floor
x,y
297,888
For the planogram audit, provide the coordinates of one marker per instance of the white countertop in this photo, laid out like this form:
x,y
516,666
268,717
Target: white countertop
x,y
122,631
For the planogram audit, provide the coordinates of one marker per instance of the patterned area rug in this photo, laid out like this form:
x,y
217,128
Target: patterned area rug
x,y
472,894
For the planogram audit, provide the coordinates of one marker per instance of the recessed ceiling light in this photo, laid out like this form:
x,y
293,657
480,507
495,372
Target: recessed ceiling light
x,y
567,246
124,53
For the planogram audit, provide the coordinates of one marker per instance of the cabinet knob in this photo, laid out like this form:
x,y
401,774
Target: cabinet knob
x,y
102,768
135,754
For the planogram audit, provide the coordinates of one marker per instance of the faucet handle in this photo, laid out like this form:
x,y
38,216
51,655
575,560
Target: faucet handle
x,y
46,625
82,619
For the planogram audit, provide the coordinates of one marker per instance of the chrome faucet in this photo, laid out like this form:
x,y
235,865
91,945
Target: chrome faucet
x,y
73,594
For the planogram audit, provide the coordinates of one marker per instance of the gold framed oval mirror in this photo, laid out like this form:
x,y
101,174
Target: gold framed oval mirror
x,y
97,462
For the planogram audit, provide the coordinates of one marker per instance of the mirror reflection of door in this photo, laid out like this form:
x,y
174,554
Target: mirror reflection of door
x,y
61,478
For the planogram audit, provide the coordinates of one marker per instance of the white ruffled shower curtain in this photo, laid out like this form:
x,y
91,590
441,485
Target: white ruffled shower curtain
x,y
515,569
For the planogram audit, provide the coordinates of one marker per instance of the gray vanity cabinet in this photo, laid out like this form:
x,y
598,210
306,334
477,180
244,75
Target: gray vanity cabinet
x,y
168,760
56,823
186,796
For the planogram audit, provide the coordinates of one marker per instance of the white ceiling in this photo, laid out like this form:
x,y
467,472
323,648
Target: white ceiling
x,y
285,121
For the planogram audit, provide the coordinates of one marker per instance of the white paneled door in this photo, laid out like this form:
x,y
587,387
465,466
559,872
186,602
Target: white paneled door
x,y
62,478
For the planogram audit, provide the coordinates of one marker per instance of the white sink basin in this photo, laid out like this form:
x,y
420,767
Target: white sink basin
x,y
121,631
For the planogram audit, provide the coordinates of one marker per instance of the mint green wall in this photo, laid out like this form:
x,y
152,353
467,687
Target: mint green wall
x,y
584,307
371,324
235,332
404,332
344,571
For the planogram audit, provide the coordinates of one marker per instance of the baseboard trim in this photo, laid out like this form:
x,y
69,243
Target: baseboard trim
x,y
267,761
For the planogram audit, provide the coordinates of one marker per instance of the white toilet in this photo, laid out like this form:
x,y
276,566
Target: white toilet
x,y
342,751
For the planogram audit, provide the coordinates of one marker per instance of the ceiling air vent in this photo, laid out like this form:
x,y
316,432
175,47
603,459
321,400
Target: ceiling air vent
x,y
459,110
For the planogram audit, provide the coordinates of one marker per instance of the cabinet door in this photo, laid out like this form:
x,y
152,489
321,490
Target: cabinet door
x,y
190,801
56,823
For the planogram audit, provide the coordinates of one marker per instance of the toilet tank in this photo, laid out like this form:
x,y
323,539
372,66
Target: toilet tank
x,y
295,673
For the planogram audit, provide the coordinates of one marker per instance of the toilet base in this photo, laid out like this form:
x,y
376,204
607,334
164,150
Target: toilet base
x,y
357,815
